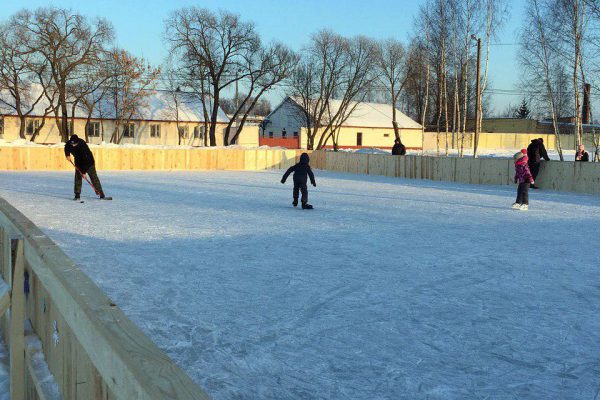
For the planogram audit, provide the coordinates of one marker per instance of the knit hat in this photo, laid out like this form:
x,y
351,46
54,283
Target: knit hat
x,y
518,155
74,139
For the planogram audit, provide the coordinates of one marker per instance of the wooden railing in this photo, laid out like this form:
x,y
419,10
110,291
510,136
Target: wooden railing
x,y
91,348
565,176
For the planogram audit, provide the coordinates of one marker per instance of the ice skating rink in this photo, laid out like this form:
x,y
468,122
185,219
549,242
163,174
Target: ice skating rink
x,y
389,289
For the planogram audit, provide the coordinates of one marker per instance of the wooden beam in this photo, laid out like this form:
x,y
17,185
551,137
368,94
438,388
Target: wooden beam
x,y
4,297
17,321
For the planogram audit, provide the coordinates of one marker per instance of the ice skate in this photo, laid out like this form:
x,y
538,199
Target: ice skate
x,y
524,207
295,203
516,206
306,206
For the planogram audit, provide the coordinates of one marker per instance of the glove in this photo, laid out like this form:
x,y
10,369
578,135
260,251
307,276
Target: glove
x,y
282,181
515,181
314,184
532,182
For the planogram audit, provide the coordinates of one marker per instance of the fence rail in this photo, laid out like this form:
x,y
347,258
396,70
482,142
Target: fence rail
x,y
566,176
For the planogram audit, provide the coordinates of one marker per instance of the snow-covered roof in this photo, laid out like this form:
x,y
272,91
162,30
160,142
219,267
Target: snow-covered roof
x,y
370,115
160,106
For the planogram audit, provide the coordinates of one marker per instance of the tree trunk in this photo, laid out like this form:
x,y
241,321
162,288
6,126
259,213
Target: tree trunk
x,y
214,116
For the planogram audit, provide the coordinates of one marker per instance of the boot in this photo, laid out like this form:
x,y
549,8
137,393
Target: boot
x,y
306,206
77,197
516,206
101,194
295,203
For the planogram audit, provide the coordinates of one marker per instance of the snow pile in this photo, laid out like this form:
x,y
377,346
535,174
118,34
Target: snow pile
x,y
389,289
20,143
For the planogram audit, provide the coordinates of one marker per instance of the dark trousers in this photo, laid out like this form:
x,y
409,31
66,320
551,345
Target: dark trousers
x,y
301,188
523,193
93,177
535,169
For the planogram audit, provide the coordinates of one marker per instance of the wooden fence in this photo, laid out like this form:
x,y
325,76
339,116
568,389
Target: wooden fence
x,y
91,348
108,158
567,176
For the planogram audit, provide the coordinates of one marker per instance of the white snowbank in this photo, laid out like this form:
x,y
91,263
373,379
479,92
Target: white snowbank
x,y
26,143
389,289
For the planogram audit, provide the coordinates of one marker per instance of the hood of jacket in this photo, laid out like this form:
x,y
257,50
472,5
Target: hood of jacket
x,y
304,159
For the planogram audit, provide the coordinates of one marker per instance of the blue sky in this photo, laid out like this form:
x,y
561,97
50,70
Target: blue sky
x,y
139,25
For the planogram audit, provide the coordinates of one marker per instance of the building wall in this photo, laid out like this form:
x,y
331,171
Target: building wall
x,y
371,137
168,133
285,117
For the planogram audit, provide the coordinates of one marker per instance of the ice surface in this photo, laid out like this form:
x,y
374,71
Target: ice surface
x,y
389,289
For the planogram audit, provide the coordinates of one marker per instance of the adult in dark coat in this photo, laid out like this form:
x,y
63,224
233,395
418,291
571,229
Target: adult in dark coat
x,y
84,161
302,172
536,151
581,154
399,149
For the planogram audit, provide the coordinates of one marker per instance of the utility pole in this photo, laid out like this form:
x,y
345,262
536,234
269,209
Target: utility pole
x,y
477,97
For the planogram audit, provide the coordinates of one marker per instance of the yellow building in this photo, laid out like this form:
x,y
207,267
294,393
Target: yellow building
x,y
369,125
158,122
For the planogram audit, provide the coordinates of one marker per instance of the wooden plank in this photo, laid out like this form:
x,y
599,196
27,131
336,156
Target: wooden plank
x,y
17,320
4,297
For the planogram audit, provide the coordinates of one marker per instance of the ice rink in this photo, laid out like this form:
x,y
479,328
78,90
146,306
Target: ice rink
x,y
389,289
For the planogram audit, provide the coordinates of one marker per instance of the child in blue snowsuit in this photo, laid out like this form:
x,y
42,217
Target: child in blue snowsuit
x,y
301,172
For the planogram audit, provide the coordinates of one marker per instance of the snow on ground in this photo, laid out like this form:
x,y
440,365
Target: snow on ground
x,y
389,289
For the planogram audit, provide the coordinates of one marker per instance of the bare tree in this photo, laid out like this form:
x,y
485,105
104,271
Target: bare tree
x,y
218,44
266,68
130,90
394,70
68,42
22,86
536,57
317,79
331,80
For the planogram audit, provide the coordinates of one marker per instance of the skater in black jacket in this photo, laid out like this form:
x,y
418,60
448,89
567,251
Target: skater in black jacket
x,y
399,149
301,172
536,151
84,162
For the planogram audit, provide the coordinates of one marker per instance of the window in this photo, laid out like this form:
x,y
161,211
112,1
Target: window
x,y
129,130
359,138
295,134
386,135
270,135
155,130
93,129
31,125
70,130
283,133
184,131
198,132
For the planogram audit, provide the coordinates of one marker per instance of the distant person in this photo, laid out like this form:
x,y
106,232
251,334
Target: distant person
x,y
301,172
535,152
84,164
524,178
581,154
399,149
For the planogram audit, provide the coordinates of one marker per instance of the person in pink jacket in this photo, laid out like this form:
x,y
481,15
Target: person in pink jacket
x,y
524,178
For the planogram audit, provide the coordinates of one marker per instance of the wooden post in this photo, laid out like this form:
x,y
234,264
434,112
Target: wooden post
x,y
17,321
477,99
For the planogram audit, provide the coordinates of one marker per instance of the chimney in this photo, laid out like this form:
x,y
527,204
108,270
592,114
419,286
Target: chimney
x,y
585,110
